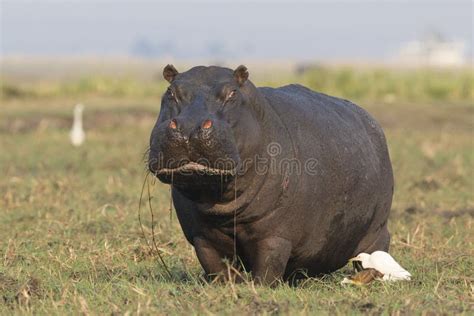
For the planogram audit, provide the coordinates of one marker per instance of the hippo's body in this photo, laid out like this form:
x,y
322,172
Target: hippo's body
x,y
309,185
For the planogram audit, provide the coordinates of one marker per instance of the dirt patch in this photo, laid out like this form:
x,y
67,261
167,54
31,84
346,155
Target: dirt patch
x,y
96,227
12,291
366,307
259,307
448,214
428,184
29,290
142,253
8,288
412,210
456,213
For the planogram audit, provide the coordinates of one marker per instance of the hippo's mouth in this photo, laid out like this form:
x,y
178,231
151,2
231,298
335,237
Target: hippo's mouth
x,y
196,168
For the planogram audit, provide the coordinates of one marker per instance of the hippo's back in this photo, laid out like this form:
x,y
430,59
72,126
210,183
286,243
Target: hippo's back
x,y
322,120
347,195
319,110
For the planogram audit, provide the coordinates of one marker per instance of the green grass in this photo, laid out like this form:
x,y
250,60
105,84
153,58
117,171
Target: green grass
x,y
70,240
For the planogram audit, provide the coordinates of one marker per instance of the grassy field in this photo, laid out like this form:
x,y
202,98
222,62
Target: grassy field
x,y
71,242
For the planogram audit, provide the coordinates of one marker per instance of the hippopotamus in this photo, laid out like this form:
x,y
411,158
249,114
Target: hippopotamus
x,y
277,182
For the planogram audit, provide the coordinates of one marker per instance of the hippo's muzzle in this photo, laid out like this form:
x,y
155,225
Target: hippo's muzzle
x,y
182,148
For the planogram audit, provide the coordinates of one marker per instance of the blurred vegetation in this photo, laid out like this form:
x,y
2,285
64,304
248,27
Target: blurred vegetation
x,y
393,85
88,86
382,84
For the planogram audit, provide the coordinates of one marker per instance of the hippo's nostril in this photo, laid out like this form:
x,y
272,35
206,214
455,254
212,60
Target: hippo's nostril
x,y
173,124
207,124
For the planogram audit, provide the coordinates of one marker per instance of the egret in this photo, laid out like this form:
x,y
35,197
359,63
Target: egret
x,y
77,132
383,263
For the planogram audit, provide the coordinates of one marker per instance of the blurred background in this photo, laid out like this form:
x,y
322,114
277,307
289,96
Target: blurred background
x,y
118,48
74,208
136,37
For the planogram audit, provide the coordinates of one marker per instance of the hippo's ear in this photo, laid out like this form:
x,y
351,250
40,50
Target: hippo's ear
x,y
169,72
241,74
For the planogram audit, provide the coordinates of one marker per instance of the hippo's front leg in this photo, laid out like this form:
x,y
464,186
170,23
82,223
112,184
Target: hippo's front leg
x,y
213,261
270,258
208,256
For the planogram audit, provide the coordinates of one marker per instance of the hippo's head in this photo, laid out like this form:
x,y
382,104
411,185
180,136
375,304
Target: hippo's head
x,y
205,127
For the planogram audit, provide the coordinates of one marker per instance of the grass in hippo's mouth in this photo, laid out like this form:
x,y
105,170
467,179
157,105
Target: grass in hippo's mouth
x,y
194,167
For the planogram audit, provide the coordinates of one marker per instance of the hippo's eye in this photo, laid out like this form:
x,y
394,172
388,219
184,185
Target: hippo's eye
x,y
229,96
171,95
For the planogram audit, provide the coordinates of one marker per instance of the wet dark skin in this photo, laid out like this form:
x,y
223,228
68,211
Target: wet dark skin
x,y
273,181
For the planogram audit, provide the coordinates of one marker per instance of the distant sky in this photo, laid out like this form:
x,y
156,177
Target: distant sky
x,y
258,29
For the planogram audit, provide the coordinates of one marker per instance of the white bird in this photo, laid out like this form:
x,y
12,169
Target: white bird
x,y
77,132
384,263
